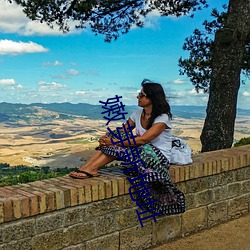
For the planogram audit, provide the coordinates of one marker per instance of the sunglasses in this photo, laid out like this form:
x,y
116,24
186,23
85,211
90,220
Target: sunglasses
x,y
140,94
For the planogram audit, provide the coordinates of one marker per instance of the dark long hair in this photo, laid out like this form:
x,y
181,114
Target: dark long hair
x,y
155,93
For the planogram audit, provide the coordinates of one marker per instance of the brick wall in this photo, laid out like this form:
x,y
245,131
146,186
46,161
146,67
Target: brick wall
x,y
65,213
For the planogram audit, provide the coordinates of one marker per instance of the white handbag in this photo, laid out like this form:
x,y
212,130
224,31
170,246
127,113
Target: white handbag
x,y
180,152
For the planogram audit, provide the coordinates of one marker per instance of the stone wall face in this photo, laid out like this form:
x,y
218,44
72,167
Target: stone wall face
x,y
98,213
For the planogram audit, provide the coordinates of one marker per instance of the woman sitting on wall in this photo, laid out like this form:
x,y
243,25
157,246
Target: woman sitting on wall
x,y
152,126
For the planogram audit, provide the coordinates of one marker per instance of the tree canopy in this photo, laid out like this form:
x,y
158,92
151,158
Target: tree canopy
x,y
198,67
108,17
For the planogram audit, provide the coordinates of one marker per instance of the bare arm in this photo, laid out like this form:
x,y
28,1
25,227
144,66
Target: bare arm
x,y
104,139
131,124
151,134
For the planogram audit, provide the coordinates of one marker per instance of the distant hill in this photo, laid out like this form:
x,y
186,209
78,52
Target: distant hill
x,y
10,112
80,109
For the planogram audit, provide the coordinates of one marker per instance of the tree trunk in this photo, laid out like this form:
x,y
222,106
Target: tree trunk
x,y
227,56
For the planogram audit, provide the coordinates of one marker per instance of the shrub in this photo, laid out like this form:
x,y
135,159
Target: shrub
x,y
22,174
242,142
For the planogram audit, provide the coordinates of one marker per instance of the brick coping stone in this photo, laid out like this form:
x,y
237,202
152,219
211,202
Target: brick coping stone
x,y
39,197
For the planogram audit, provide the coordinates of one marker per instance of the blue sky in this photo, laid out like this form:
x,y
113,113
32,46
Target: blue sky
x,y
38,64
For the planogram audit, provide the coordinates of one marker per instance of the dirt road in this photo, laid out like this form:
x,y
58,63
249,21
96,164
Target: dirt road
x,y
233,235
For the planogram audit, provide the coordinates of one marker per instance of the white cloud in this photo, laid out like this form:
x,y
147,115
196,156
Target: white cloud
x,y
92,94
11,17
187,97
100,89
153,14
51,86
39,29
73,72
55,63
13,20
80,92
129,88
7,82
19,86
178,81
246,93
180,93
15,48
152,20
194,92
10,84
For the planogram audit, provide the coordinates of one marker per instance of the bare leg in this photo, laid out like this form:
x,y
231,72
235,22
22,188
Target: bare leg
x,y
98,160
92,159
98,163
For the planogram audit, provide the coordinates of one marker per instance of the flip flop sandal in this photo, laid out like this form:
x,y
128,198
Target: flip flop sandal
x,y
87,175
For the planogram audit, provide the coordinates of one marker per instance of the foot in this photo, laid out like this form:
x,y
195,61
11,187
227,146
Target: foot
x,y
83,174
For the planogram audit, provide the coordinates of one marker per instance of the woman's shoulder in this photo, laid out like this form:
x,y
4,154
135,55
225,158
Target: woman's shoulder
x,y
137,112
163,116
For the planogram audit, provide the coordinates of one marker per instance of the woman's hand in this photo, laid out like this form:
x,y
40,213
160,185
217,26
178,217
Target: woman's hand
x,y
105,141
